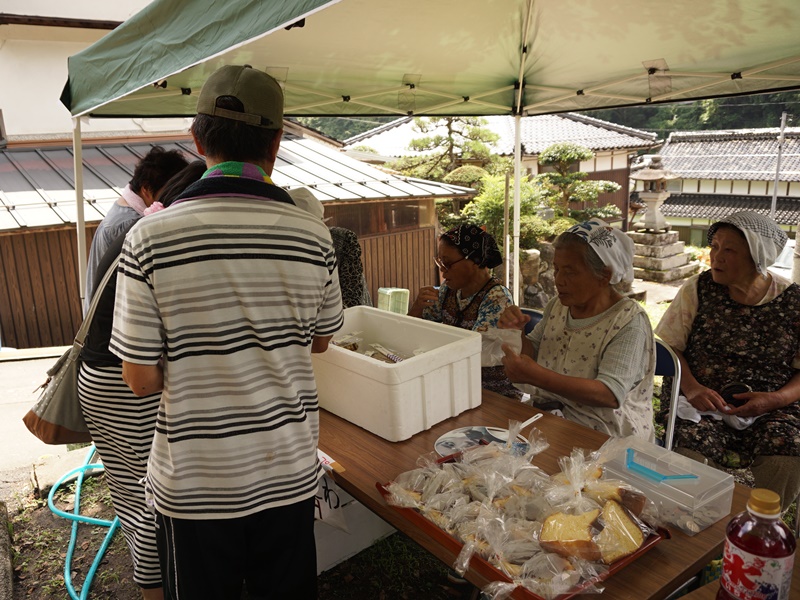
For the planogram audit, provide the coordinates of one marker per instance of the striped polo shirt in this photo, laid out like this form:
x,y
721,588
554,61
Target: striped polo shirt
x,y
231,291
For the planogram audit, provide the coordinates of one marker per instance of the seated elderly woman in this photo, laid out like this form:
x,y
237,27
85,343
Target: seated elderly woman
x,y
739,324
469,297
593,350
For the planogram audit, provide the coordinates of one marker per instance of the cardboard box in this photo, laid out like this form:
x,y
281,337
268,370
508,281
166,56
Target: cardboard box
x,y
688,494
395,401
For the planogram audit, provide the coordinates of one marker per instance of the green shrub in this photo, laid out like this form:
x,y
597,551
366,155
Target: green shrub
x,y
607,212
561,224
533,230
467,176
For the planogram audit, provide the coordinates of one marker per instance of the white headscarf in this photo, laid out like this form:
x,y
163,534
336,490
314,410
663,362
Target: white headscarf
x,y
765,239
612,245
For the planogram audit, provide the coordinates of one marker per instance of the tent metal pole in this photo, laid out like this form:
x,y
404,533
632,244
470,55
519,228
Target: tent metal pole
x,y
774,204
518,145
506,237
517,169
80,222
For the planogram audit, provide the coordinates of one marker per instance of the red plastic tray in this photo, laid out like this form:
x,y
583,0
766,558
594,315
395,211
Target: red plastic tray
x,y
492,573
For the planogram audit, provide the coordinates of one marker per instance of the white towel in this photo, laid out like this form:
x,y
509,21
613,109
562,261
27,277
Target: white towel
x,y
687,412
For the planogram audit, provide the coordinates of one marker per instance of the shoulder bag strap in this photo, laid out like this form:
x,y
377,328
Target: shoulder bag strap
x,y
80,337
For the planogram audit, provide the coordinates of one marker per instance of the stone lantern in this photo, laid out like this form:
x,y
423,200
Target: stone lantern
x,y
658,254
654,178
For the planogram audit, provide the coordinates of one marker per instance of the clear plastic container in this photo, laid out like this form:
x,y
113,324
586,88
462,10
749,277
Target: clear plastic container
x,y
687,494
759,552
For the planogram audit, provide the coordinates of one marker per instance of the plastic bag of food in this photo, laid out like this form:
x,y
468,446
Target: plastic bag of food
x,y
492,341
348,341
600,535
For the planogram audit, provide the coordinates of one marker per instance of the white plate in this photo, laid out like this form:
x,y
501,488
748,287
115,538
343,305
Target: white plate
x,y
467,437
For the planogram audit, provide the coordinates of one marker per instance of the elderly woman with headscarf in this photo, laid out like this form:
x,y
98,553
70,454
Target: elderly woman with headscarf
x,y
593,350
739,324
470,297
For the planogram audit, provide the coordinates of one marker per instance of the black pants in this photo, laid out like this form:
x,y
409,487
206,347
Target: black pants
x,y
272,551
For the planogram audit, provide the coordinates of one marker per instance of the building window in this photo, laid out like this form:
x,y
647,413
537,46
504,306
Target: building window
x,y
375,218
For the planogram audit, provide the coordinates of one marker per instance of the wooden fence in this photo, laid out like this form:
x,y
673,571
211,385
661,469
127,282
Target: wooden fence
x,y
39,299
403,260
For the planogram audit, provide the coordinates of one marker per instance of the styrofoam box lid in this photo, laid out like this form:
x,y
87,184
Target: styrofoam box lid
x,y
691,493
441,344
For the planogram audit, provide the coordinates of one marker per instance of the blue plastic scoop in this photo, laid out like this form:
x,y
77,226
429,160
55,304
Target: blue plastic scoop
x,y
648,473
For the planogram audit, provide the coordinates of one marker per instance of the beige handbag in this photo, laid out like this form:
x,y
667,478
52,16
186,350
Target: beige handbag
x,y
57,418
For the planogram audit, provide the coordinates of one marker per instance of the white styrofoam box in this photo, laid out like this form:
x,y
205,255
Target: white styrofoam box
x,y
395,401
692,503
364,528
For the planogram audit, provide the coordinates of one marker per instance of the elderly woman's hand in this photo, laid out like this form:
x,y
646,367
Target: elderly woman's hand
x,y
428,296
513,318
520,368
757,404
705,399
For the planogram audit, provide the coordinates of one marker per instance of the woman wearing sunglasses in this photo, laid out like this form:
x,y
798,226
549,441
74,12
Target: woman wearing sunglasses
x,y
470,297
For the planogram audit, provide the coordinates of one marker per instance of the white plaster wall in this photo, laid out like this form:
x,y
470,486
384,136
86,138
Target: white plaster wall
x,y
706,186
105,10
783,188
619,160
758,188
741,187
723,186
603,162
33,65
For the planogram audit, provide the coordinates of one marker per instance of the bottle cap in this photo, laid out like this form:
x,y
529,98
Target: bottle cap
x,y
765,502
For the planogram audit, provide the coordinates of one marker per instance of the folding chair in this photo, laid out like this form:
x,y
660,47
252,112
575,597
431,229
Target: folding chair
x,y
668,365
535,316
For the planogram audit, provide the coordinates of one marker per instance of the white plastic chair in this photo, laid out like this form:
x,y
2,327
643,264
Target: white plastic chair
x,y
668,365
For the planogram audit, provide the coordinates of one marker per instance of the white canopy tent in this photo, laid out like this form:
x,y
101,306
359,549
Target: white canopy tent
x,y
445,58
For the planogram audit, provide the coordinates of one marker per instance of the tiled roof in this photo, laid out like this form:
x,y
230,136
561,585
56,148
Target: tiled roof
x,y
741,154
36,184
716,206
537,133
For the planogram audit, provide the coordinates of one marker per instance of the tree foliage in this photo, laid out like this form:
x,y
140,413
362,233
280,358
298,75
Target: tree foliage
x,y
342,128
468,175
744,112
564,184
443,144
487,208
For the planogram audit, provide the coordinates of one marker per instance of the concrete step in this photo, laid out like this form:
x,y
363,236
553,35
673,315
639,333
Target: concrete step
x,y
659,251
654,239
666,263
669,275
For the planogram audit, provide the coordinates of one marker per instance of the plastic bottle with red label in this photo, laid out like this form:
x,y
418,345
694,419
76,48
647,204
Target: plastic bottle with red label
x,y
759,552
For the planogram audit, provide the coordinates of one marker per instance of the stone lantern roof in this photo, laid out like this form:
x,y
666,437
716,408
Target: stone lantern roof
x,y
655,171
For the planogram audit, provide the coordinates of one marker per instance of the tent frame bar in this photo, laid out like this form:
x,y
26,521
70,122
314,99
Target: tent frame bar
x,y
80,219
523,59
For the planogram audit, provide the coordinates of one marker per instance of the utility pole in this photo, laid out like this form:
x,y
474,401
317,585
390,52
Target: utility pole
x,y
777,168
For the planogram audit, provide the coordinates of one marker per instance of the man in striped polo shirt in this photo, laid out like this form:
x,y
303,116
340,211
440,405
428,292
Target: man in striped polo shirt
x,y
221,300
